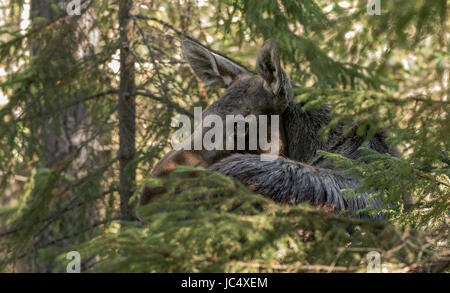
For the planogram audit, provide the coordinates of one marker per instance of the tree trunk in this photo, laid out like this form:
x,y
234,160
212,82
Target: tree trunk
x,y
127,109
68,143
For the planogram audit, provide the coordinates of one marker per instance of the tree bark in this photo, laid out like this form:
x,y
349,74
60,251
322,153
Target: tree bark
x,y
127,109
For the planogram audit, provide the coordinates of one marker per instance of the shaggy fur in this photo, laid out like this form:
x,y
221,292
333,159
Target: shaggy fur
x,y
292,182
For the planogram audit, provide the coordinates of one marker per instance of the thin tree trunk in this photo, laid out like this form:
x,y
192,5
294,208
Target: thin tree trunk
x,y
127,109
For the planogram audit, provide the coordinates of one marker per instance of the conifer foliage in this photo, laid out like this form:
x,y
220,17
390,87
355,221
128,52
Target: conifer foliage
x,y
87,98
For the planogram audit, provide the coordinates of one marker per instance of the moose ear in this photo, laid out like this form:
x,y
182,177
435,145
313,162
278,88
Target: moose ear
x,y
212,69
269,67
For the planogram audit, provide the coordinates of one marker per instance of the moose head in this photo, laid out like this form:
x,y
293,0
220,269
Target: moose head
x,y
262,95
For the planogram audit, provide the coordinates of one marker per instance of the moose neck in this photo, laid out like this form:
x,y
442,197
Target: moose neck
x,y
303,139
301,129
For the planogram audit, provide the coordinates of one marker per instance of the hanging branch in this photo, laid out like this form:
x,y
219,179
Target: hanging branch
x,y
187,36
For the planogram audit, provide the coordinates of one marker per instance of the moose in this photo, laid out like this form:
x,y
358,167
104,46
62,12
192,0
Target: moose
x,y
299,173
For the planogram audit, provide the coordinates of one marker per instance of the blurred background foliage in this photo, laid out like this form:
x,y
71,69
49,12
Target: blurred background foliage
x,y
59,137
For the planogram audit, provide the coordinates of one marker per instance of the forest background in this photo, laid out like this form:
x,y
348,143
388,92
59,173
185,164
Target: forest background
x,y
87,97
